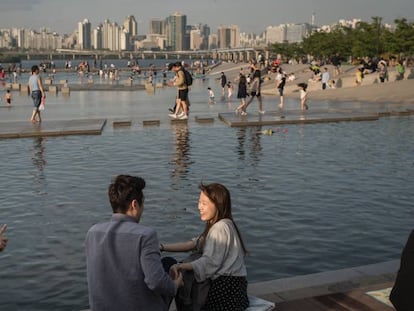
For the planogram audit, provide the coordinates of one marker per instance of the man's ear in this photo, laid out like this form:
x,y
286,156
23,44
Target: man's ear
x,y
135,204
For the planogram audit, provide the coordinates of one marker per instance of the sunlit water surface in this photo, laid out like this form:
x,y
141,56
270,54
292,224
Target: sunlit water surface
x,y
310,198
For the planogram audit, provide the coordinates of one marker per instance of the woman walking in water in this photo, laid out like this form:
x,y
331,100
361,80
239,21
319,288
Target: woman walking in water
x,y
242,94
36,92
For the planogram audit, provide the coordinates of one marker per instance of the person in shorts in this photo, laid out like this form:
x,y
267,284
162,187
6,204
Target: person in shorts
x,y
255,86
181,110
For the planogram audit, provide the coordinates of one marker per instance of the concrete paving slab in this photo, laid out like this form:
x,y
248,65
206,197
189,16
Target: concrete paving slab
x,y
325,283
204,119
151,122
23,129
122,123
295,117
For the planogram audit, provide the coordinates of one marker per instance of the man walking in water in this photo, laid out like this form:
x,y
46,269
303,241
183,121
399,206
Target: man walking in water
x,y
223,82
182,96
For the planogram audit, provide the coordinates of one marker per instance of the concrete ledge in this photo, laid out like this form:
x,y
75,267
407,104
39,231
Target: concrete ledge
x,y
149,87
24,89
324,283
121,123
65,90
53,89
15,86
179,121
151,122
127,82
51,128
295,117
204,119
316,285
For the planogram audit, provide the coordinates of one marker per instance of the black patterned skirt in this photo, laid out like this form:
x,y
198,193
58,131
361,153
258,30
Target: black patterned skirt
x,y
227,293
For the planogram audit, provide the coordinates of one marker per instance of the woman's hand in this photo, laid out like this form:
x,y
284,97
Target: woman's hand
x,y
175,271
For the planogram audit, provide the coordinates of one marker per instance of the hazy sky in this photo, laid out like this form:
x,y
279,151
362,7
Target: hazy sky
x,y
62,16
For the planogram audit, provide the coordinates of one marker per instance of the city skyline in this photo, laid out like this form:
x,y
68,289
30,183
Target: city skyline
x,y
36,14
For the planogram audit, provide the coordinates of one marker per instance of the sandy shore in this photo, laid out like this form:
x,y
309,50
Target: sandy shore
x,y
370,91
392,92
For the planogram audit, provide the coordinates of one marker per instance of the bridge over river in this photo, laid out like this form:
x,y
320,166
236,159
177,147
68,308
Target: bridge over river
x,y
242,54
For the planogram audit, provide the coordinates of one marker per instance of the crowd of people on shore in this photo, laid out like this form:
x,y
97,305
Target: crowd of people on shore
x,y
250,85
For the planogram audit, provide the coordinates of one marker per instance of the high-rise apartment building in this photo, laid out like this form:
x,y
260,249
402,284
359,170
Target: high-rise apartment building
x,y
111,36
157,26
212,41
176,31
276,34
97,38
196,40
291,33
131,25
228,36
84,35
205,32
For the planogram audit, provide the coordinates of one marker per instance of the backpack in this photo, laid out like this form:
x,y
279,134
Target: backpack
x,y
188,78
400,69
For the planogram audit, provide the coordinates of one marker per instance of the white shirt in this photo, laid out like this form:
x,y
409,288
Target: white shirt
x,y
222,254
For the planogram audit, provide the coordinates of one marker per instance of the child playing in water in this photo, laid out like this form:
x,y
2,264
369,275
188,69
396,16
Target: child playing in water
x,y
211,99
8,98
229,90
303,96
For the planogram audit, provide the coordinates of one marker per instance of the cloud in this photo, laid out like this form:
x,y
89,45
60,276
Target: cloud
x,y
20,5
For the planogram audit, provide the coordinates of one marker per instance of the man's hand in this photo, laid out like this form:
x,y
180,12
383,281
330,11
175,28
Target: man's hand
x,y
179,279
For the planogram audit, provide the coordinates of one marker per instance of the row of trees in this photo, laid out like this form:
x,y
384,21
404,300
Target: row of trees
x,y
367,39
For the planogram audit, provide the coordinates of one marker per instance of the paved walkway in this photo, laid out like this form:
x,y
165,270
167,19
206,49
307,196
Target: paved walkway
x,y
24,129
363,288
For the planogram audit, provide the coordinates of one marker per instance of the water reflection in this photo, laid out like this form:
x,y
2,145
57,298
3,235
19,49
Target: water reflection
x,y
39,162
181,157
249,144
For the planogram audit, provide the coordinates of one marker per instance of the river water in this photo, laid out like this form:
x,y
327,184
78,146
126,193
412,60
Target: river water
x,y
310,198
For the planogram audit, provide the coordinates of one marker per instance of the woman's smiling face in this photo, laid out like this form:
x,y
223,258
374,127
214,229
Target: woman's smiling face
x,y
208,210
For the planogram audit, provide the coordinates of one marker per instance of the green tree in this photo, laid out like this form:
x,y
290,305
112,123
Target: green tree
x,y
402,40
366,39
287,50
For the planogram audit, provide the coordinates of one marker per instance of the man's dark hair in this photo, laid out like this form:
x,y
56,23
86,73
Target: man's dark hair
x,y
123,190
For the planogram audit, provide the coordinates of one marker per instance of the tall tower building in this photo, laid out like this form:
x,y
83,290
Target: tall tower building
x,y
97,38
313,19
84,35
131,25
176,31
205,33
157,26
111,36
196,40
228,36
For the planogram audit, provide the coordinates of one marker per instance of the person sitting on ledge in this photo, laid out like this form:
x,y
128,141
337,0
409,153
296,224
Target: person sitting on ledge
x,y
401,293
123,261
